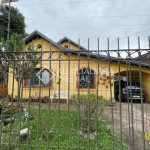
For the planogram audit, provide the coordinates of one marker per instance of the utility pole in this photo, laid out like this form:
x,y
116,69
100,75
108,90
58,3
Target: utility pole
x,y
8,29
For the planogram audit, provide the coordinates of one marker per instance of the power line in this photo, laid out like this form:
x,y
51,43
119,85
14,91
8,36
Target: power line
x,y
57,3
84,17
87,27
116,39
90,27
122,37
90,17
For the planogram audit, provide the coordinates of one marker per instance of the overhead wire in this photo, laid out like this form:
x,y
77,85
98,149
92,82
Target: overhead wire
x,y
122,37
84,17
52,28
57,3
89,17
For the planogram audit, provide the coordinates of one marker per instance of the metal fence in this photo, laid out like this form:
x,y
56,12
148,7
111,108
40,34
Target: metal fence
x,y
75,99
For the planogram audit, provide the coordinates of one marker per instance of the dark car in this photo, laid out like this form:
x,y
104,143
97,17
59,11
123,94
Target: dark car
x,y
129,91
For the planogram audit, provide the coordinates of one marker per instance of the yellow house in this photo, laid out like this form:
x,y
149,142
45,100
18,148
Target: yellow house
x,y
70,68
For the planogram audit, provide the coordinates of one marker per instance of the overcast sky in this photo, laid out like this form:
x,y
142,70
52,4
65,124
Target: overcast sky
x,y
93,19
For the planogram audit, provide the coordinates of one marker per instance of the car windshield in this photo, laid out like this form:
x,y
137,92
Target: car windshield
x,y
137,84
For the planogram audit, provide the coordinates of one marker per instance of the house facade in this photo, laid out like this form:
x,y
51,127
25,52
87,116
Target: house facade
x,y
70,68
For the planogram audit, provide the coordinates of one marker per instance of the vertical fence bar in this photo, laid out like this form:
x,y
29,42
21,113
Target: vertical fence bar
x,y
17,145
127,74
9,142
68,115
13,80
120,105
89,95
112,111
141,94
49,97
28,123
59,77
21,95
21,73
39,106
131,101
78,103
31,76
16,129
97,94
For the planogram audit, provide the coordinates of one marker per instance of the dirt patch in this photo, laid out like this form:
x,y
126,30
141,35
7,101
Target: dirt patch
x,y
49,105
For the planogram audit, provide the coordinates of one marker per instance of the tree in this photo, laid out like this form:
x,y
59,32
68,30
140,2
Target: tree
x,y
21,61
17,21
92,107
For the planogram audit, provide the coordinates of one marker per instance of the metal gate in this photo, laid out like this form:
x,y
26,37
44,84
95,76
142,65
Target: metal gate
x,y
75,99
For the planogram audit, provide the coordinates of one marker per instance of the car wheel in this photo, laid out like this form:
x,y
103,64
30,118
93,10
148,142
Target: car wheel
x,y
144,100
116,97
119,98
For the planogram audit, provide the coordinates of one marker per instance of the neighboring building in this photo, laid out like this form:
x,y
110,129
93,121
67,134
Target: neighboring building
x,y
74,64
145,58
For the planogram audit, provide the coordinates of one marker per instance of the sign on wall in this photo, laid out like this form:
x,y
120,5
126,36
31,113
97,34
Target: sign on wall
x,y
7,1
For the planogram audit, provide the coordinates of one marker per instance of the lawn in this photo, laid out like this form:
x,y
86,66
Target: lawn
x,y
63,127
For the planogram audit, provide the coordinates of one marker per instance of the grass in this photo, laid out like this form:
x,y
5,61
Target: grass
x,y
64,134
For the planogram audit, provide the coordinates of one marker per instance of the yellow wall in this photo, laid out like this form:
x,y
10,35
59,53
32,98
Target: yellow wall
x,y
70,45
74,66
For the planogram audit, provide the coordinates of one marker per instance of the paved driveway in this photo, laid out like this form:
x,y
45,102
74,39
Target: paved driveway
x,y
129,122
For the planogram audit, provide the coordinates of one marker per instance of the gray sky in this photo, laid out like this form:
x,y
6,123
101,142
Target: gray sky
x,y
93,19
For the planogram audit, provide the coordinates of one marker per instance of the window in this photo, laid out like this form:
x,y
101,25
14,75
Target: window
x,y
86,78
104,70
39,77
1,77
3,80
66,46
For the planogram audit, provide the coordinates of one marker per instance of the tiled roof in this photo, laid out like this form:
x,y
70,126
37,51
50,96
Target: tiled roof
x,y
69,40
36,34
145,58
84,51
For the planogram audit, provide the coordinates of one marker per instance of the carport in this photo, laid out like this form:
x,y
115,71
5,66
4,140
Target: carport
x,y
133,75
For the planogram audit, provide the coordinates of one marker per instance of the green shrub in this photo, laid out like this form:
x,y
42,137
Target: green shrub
x,y
89,106
84,98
